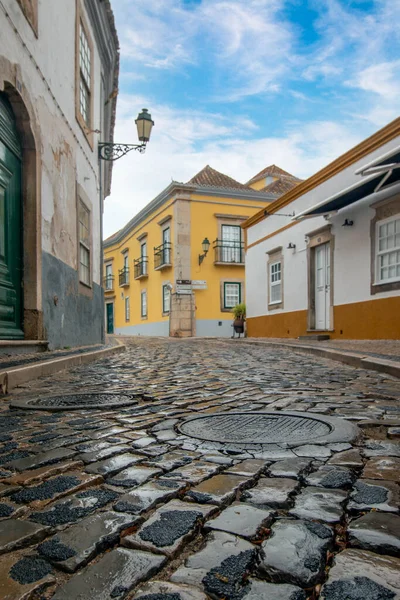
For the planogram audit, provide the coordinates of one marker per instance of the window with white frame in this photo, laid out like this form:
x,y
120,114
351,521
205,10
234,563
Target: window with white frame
x,y
166,298
232,294
85,75
143,303
388,250
143,256
127,309
109,277
275,282
84,243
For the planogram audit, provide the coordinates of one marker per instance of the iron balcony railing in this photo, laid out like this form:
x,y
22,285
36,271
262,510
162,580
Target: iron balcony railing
x,y
109,283
140,267
123,276
228,252
162,255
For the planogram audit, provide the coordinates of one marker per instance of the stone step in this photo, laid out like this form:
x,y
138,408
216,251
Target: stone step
x,y
16,347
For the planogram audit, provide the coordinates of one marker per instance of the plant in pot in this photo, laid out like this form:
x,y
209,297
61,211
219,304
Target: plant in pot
x,y
239,317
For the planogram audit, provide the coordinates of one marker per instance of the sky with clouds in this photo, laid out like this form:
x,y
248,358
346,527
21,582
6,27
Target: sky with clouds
x,y
241,84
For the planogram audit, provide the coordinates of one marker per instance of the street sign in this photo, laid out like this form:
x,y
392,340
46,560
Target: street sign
x,y
199,282
187,292
183,281
199,286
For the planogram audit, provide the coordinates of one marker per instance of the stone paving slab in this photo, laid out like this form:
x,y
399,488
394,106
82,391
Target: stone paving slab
x,y
169,527
110,466
385,468
320,504
15,533
376,531
148,495
78,544
219,489
40,460
261,590
271,493
362,574
115,574
133,476
164,590
241,519
369,494
22,577
296,552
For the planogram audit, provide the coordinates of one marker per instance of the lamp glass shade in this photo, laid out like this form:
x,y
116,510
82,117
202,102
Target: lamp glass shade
x,y
206,245
144,124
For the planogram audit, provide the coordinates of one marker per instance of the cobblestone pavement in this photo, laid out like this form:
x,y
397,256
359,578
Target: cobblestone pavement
x,y
120,503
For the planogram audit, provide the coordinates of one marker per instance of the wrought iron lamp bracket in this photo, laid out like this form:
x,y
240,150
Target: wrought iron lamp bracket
x,y
109,151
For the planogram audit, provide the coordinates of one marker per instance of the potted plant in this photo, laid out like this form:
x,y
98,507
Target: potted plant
x,y
239,317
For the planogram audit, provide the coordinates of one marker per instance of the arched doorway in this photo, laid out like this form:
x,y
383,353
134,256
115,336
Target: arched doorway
x,y
11,229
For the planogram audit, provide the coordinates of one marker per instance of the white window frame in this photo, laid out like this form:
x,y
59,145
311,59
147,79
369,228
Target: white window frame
x,y
166,290
85,58
239,287
109,276
143,256
84,244
143,295
379,253
127,309
273,284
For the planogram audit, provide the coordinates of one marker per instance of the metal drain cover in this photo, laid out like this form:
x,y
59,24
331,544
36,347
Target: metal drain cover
x,y
76,401
288,429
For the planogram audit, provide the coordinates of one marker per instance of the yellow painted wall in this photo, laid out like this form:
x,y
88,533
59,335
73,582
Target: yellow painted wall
x,y
153,283
204,223
261,183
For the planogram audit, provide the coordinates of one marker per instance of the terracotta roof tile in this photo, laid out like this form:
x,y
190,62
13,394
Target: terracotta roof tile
x,y
270,171
211,177
282,185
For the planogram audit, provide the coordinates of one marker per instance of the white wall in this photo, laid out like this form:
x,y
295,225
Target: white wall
x,y
66,155
352,256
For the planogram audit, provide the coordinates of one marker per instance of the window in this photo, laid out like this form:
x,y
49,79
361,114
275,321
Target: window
x,y
30,10
166,298
84,243
143,256
275,282
231,244
109,277
127,310
126,261
143,303
232,294
166,239
85,75
388,250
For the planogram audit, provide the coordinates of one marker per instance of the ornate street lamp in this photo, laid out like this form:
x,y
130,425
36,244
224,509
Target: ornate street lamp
x,y
206,246
144,124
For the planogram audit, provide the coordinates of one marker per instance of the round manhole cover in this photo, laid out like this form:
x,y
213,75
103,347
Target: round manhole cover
x,y
245,429
76,401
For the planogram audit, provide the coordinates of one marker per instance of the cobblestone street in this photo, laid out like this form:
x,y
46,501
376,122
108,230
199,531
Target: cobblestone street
x,y
140,500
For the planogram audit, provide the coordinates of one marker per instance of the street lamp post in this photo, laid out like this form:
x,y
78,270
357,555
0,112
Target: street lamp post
x,y
144,123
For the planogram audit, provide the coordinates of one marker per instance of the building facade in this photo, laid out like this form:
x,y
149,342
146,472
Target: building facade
x,y
326,258
157,279
58,86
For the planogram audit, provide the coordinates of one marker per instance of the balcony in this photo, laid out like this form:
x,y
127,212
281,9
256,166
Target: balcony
x,y
108,283
140,268
123,275
228,253
162,256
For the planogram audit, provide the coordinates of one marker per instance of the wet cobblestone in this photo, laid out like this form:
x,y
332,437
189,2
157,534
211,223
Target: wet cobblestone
x,y
137,466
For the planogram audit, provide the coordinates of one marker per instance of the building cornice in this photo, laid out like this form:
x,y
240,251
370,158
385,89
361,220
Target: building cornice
x,y
174,189
381,137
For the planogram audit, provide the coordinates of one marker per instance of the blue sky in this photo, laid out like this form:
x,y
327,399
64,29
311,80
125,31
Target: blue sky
x,y
240,84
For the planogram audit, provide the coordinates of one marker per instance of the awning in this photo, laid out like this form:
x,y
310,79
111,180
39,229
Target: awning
x,y
376,176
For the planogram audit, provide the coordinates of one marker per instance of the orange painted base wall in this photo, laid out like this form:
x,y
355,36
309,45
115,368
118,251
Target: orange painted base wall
x,y
370,320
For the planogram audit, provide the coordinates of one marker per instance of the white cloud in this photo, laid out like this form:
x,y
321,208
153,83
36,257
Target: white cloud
x,y
178,154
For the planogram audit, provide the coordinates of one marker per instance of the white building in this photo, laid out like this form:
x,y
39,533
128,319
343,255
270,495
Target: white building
x,y
58,85
325,259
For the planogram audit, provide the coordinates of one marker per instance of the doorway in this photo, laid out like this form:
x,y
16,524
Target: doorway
x,y
322,293
11,228
110,317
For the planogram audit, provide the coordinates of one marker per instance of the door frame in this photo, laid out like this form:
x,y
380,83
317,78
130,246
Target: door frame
x,y
315,238
106,323
12,85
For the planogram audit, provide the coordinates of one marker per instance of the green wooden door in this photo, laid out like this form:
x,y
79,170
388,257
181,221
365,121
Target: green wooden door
x,y
11,275
110,317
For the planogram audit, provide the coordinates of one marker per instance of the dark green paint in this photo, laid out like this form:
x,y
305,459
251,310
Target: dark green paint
x,y
110,317
11,264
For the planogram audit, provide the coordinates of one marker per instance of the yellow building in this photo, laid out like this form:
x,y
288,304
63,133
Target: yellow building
x,y
159,277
